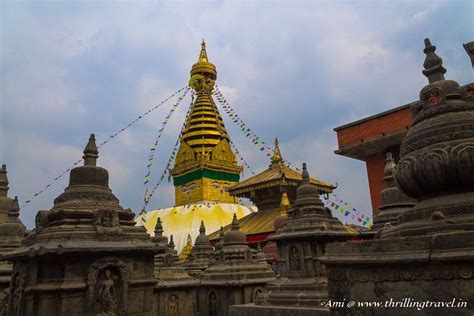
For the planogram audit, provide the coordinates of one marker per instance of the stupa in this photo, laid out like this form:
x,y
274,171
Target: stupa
x,y
205,167
301,240
85,255
237,277
429,254
12,232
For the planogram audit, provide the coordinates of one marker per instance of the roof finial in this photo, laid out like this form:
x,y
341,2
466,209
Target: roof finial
x,y
158,228
389,170
171,243
305,174
202,228
90,152
284,204
203,53
433,64
276,158
3,181
235,223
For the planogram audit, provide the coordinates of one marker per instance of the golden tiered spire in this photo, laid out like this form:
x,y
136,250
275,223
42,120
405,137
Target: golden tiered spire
x,y
205,165
276,158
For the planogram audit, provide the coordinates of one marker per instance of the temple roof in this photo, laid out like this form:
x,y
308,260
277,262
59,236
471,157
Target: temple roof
x,y
278,173
254,223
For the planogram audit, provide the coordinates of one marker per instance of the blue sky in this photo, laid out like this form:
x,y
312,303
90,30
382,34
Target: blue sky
x,y
291,69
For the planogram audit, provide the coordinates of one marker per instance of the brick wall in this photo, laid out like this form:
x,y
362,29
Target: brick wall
x,y
375,165
384,125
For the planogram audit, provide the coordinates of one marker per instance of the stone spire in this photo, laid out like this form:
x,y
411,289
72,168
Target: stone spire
x,y
432,244
301,241
12,232
90,152
202,255
3,181
394,202
433,64
237,271
90,238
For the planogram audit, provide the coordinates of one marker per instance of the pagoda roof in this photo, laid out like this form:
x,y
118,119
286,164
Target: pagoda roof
x,y
277,174
254,223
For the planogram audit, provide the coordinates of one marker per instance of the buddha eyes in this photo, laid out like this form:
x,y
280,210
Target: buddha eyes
x,y
189,188
215,185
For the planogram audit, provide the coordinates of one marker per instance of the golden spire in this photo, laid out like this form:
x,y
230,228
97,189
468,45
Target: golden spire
x,y
284,204
276,158
205,150
203,54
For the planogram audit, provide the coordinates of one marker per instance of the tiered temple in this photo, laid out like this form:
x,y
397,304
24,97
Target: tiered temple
x,y
265,191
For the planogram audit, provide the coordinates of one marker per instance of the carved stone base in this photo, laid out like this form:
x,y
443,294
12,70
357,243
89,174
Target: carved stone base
x,y
437,268
256,310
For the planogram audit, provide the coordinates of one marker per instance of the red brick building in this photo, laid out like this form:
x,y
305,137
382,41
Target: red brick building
x,y
369,139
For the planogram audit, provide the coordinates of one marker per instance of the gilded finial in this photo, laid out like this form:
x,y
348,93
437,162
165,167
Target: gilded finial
x,y
276,158
433,64
203,53
90,152
284,204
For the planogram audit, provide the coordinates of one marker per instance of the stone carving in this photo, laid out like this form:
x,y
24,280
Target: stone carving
x,y
107,293
212,304
173,306
107,283
17,290
294,259
258,297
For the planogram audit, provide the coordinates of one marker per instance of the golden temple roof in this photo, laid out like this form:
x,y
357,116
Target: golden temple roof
x,y
254,223
277,173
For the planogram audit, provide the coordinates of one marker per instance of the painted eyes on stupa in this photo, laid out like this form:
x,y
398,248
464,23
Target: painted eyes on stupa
x,y
189,188
215,185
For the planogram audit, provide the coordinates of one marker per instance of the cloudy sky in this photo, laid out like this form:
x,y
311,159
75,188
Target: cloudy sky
x,y
291,69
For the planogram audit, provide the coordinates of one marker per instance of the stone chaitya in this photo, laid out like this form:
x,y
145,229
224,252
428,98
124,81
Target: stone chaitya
x,y
236,278
201,256
428,255
12,232
175,289
85,255
301,242
394,202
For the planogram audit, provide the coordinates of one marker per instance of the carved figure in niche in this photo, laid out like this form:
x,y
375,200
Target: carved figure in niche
x,y
107,294
258,297
173,306
106,218
295,259
212,304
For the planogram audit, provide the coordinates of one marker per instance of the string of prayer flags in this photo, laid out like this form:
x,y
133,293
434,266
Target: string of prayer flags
x,y
108,139
167,169
241,158
260,144
151,155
